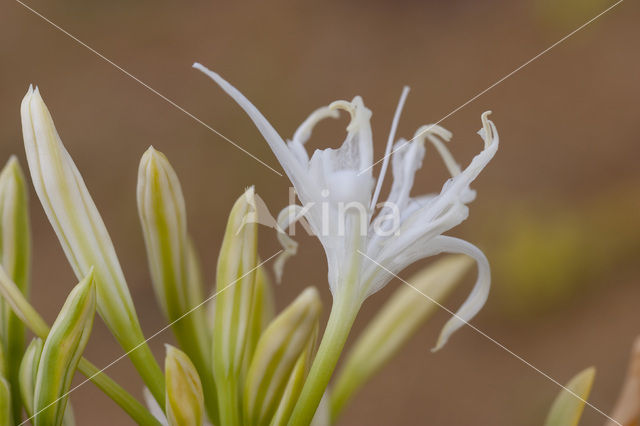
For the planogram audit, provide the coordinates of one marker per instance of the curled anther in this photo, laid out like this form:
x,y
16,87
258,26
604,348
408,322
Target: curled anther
x,y
436,134
488,132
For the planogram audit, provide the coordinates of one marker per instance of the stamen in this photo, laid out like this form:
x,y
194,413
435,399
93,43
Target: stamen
x,y
433,132
488,132
303,133
387,151
345,106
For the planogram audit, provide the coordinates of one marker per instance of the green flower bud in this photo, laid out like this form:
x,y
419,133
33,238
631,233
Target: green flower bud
x,y
6,417
27,373
21,307
277,353
234,289
27,379
262,313
184,400
566,409
61,352
294,387
171,259
394,324
82,233
15,258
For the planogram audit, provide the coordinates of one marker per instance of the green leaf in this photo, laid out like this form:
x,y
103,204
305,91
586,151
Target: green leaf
x,y
567,408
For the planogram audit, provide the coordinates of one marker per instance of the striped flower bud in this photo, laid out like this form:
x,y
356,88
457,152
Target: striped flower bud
x,y
27,379
234,289
82,233
27,373
402,315
61,352
277,353
294,387
164,224
184,400
15,258
262,313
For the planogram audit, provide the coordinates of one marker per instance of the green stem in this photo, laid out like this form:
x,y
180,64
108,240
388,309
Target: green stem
x,y
228,402
343,314
120,396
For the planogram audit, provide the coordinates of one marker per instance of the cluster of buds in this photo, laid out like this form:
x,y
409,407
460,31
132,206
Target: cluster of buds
x,y
237,361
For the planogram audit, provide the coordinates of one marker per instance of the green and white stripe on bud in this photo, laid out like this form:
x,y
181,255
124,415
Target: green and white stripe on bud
x,y
6,416
236,271
163,217
27,379
277,353
395,323
15,258
82,233
294,386
184,400
61,352
27,373
262,313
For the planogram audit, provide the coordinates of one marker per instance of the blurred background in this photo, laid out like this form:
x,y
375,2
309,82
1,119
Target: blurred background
x,y
557,209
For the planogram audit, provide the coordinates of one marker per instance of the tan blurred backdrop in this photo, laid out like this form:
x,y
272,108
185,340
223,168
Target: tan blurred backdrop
x,y
557,210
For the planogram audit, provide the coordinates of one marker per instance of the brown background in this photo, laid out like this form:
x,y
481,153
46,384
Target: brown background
x,y
562,192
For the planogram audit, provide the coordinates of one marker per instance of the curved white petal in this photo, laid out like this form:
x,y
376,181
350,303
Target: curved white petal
x,y
292,167
478,295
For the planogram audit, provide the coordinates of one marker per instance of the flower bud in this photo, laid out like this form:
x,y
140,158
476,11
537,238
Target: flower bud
x,y
27,373
294,387
61,352
171,257
82,233
262,313
395,323
566,409
233,302
15,258
277,353
184,400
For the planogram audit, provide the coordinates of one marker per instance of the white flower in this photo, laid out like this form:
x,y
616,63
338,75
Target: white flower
x,y
336,190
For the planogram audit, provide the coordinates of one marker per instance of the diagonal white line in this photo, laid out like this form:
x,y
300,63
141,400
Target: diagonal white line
x,y
151,89
590,21
154,335
500,345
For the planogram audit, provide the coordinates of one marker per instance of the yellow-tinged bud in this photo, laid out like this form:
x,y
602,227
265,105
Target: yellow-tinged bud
x,y
185,400
566,409
277,353
82,233
61,352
